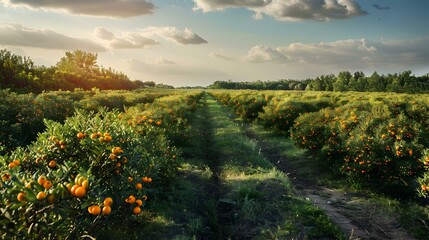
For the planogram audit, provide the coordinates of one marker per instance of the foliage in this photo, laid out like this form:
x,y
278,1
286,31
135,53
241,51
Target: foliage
x,y
77,69
374,138
403,82
90,175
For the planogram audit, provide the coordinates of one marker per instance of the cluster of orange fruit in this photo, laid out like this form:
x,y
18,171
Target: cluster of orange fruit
x,y
59,143
80,186
14,163
102,137
42,181
138,202
117,151
97,210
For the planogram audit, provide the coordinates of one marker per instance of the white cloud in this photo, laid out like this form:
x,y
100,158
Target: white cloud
x,y
127,40
288,10
146,37
17,35
184,37
350,54
258,54
218,5
105,8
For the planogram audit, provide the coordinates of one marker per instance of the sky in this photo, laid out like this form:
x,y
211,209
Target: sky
x,y
197,42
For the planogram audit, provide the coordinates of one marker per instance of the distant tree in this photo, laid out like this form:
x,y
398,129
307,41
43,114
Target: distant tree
x,y
342,81
78,60
14,70
149,83
164,86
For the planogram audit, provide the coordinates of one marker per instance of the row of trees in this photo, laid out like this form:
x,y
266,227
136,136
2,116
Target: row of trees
x,y
78,69
404,82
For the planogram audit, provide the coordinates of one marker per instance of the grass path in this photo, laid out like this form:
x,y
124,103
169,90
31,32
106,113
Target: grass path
x,y
226,189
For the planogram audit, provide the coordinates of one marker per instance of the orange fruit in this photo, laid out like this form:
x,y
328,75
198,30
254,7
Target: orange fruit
x,y
80,192
139,186
41,195
47,184
117,150
41,180
52,164
85,183
131,199
12,165
108,201
107,210
17,162
139,202
21,197
5,177
137,210
73,189
80,135
96,210
108,138
69,186
90,209
94,136
79,180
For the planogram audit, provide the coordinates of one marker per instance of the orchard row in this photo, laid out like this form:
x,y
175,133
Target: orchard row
x,y
94,172
376,137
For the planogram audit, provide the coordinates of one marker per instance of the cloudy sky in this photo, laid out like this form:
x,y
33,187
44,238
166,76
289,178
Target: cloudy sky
x,y
196,42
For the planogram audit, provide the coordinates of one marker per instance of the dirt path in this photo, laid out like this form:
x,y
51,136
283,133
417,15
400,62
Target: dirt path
x,y
349,211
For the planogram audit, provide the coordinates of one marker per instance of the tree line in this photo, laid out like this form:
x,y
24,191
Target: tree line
x,y
77,69
404,82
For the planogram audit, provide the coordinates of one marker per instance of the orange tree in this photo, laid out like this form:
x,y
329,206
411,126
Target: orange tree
x,y
23,114
367,141
246,104
280,113
87,176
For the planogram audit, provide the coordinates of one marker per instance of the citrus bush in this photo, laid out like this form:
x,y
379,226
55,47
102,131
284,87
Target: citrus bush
x,y
365,142
246,104
167,112
87,176
424,179
23,114
377,137
281,113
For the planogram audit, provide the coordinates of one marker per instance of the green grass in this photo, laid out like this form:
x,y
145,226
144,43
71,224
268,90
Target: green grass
x,y
262,199
226,189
